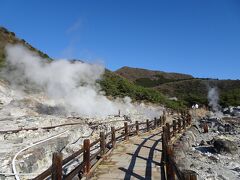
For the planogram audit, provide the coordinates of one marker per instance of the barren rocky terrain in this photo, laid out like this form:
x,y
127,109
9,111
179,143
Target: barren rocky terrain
x,y
213,153
32,127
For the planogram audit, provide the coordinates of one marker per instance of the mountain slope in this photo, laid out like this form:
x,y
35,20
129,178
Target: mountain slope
x,y
185,87
148,78
7,37
147,85
112,84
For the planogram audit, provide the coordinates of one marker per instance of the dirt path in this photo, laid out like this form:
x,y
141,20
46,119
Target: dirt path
x,y
138,158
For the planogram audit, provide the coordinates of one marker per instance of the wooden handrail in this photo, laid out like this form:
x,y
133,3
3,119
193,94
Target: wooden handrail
x,y
44,174
142,123
126,130
119,137
47,172
95,142
71,157
57,166
118,129
95,155
177,171
113,138
133,129
137,127
167,153
74,172
102,143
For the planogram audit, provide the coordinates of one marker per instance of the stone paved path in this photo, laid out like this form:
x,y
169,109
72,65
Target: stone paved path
x,y
138,158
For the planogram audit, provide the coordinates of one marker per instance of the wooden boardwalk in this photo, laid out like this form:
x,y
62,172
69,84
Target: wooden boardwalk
x,y
137,158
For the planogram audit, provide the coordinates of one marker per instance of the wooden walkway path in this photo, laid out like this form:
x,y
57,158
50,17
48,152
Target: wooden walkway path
x,y
137,158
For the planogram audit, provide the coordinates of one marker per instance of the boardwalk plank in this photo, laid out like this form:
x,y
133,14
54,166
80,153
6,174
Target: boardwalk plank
x,y
137,158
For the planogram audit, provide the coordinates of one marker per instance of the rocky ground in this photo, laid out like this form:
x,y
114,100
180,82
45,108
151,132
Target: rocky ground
x,y
214,154
30,151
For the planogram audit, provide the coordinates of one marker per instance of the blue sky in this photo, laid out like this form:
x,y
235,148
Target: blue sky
x,y
198,37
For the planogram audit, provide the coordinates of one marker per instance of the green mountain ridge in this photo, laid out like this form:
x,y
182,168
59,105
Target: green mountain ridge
x,y
186,88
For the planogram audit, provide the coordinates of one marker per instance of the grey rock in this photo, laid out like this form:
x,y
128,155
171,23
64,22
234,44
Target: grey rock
x,y
228,128
29,164
237,169
195,130
214,159
17,140
221,129
2,177
179,154
222,177
224,145
210,171
188,140
202,143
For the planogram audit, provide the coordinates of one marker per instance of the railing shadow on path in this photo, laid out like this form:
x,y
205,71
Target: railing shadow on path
x,y
129,172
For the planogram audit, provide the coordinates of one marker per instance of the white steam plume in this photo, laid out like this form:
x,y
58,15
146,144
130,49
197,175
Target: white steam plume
x,y
213,99
72,84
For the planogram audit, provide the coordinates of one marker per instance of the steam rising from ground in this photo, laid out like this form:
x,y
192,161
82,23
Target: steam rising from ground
x,y
71,84
213,99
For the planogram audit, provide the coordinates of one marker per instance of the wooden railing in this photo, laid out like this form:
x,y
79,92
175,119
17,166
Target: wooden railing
x,y
92,152
170,133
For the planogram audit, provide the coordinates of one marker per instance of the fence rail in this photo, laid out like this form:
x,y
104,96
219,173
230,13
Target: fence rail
x,y
105,141
171,171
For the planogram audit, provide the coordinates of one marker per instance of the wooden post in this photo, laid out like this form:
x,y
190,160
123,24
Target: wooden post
x,y
102,143
164,151
189,175
174,127
187,121
160,121
164,131
164,119
179,125
184,123
181,112
170,171
163,147
205,128
126,130
164,144
86,156
168,132
155,123
137,127
113,137
57,166
190,119
148,127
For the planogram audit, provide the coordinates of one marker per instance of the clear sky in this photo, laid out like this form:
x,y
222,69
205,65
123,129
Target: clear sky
x,y
198,37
